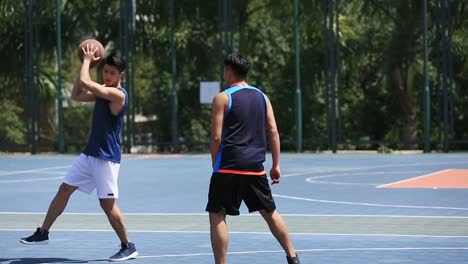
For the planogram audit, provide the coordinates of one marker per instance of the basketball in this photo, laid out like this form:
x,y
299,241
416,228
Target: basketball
x,y
99,52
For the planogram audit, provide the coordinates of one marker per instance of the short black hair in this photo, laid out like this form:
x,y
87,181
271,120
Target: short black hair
x,y
238,63
115,59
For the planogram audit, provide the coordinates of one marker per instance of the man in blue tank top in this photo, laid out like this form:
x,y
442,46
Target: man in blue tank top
x,y
242,116
98,166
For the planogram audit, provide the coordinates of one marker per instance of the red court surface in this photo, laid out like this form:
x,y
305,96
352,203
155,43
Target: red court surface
x,y
450,178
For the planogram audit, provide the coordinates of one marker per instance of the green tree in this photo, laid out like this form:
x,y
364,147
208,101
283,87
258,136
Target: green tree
x,y
12,129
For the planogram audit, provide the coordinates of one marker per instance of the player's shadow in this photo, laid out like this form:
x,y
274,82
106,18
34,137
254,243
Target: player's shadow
x,y
45,260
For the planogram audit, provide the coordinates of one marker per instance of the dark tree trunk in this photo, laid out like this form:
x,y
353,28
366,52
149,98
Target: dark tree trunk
x,y
408,106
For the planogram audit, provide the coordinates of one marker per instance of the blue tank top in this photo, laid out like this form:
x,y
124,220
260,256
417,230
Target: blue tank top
x,y
105,139
243,142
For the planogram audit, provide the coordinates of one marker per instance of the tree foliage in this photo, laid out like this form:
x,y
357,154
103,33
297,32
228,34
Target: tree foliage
x,y
381,58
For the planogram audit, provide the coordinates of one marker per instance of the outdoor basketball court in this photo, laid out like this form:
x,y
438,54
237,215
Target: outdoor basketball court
x,y
341,208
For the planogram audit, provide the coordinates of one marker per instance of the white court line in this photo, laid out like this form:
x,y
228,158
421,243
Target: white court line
x,y
31,180
313,179
33,171
332,174
309,250
414,178
361,174
341,183
50,172
308,172
152,231
370,204
233,232
253,215
315,171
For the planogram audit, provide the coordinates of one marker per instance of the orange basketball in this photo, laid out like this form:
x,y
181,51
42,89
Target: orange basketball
x,y
99,52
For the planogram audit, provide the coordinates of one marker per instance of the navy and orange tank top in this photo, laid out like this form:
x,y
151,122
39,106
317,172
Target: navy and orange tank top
x,y
105,139
243,142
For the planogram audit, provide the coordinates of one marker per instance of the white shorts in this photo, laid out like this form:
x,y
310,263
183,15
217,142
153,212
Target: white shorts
x,y
89,173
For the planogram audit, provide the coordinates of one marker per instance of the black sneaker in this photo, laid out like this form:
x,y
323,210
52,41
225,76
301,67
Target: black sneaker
x,y
293,260
127,251
40,237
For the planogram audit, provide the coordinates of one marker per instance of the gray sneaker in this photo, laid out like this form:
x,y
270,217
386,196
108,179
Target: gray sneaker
x,y
40,237
127,251
293,260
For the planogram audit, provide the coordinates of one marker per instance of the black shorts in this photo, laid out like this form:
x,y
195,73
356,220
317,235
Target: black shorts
x,y
227,191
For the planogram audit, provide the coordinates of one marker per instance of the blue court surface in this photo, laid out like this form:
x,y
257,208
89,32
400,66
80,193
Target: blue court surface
x,y
334,211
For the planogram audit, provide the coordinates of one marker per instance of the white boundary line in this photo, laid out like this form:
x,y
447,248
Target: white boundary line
x,y
33,170
303,251
359,173
370,204
232,232
308,250
308,172
341,183
414,178
32,179
252,215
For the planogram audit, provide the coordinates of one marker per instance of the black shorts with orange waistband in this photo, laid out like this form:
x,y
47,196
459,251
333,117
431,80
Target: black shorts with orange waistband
x,y
228,190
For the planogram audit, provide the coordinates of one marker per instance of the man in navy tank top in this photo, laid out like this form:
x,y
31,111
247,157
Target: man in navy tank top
x,y
98,166
242,120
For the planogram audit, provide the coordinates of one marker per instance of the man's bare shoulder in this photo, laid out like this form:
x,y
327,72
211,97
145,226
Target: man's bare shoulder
x,y
220,98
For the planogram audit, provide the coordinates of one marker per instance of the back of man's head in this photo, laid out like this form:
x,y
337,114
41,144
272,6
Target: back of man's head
x,y
238,63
